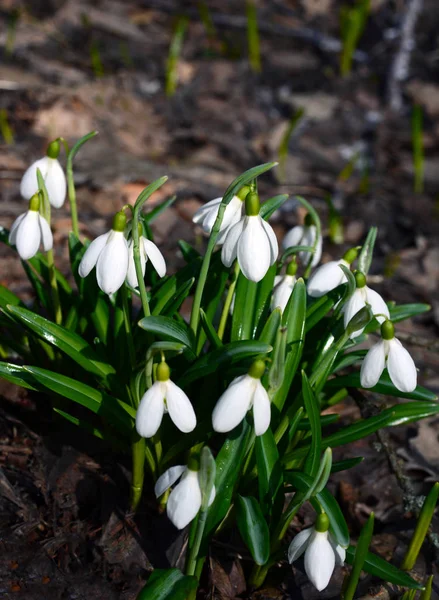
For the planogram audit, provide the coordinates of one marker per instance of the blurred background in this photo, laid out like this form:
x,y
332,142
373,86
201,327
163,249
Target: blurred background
x,y
344,94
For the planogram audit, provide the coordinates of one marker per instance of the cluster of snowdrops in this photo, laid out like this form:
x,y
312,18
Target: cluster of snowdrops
x,y
248,248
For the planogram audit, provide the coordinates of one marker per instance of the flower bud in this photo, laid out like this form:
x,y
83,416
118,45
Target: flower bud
x,y
53,149
252,204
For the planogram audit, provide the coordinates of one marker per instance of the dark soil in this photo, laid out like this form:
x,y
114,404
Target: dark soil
x,y
64,527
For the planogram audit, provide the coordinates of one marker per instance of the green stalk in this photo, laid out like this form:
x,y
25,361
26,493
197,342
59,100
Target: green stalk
x,y
138,264
71,184
253,36
316,221
228,303
138,453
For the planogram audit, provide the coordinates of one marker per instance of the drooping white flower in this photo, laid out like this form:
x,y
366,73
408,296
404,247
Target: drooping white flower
x,y
148,250
283,287
30,230
330,275
162,397
364,295
184,501
322,552
207,214
243,393
53,176
109,253
304,235
252,241
390,353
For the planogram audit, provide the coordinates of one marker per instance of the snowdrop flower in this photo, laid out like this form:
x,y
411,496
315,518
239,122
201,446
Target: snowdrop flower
x,y
364,295
329,276
207,214
242,394
390,353
304,235
321,552
29,230
184,502
283,287
53,176
252,241
109,253
147,250
162,397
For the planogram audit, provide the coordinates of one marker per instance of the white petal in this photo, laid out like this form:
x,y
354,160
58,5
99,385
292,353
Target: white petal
x,y
230,247
185,500
261,409
46,233
55,181
212,496
377,304
92,253
274,246
401,368
155,256
373,365
353,305
29,183
204,210
231,215
319,560
168,478
282,292
254,251
308,239
299,544
28,236
14,228
131,274
326,278
339,551
180,408
112,264
150,412
233,405
293,237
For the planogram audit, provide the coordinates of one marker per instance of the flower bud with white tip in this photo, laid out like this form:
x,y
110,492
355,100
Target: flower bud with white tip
x,y
30,230
252,241
148,250
283,287
304,235
364,295
109,253
330,275
389,353
321,552
162,397
185,500
244,392
53,176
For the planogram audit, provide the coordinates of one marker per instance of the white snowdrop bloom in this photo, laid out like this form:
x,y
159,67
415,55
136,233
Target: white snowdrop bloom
x,y
364,295
329,276
283,287
184,501
109,254
207,214
252,241
304,235
390,353
30,230
322,552
242,394
162,397
53,176
148,250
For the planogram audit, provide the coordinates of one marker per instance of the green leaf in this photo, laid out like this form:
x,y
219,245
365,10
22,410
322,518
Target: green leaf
x,y
228,354
7,297
70,343
318,310
88,427
253,528
210,331
168,584
169,329
178,298
268,334
159,209
361,553
378,567
348,463
243,309
263,295
270,206
270,478
366,254
313,413
384,386
17,375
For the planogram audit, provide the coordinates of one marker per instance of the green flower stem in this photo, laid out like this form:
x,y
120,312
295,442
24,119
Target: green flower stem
x,y
71,184
57,311
316,221
229,298
127,324
138,264
139,452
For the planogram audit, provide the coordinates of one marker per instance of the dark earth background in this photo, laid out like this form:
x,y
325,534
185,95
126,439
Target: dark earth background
x,y
64,528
